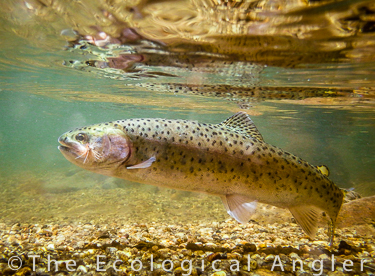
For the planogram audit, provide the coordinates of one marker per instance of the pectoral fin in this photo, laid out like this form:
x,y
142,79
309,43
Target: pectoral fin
x,y
239,207
144,164
307,217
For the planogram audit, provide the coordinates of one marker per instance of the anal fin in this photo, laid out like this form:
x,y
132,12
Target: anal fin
x,y
239,207
307,217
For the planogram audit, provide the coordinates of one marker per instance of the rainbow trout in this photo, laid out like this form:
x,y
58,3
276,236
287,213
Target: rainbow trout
x,y
229,160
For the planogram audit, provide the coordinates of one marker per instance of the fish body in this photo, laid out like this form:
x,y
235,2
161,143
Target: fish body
x,y
229,160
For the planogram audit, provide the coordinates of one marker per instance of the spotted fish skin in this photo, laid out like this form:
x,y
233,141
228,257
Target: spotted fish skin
x,y
229,160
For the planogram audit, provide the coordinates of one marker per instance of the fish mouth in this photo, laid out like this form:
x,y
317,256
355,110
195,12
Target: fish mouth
x,y
66,147
63,145
63,148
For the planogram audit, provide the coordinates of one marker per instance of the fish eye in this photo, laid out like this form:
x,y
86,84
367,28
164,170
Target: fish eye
x,y
81,137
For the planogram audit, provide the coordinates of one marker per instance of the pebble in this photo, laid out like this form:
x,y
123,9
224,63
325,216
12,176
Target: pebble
x,y
111,250
294,256
219,273
82,269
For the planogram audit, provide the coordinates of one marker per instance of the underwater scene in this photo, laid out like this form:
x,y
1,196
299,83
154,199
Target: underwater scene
x,y
187,137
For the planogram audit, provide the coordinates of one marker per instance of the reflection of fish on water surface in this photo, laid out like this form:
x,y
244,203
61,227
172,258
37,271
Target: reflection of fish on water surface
x,y
229,160
245,93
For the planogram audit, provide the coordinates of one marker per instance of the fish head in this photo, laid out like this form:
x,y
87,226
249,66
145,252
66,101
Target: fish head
x,y
97,148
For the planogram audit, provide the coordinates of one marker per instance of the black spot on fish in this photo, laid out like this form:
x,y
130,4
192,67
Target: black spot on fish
x,y
191,169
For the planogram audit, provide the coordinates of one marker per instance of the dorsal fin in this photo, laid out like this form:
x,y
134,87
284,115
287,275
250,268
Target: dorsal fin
x,y
323,169
241,123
